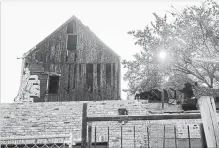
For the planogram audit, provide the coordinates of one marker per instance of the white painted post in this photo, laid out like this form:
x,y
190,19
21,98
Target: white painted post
x,y
70,140
209,119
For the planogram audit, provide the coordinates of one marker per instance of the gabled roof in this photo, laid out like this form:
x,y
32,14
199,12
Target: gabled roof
x,y
85,27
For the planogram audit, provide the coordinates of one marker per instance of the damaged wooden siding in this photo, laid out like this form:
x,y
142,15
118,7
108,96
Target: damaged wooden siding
x,y
49,57
30,87
53,56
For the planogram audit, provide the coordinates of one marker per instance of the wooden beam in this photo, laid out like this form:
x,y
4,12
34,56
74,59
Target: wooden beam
x,y
189,111
209,119
84,127
147,117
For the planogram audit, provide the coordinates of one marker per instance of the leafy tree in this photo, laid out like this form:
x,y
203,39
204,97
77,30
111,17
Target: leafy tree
x,y
188,35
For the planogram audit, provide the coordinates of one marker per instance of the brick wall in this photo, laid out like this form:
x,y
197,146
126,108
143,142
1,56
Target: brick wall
x,y
50,118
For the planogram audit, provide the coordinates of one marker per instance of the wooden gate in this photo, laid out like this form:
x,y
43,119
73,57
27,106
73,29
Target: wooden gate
x,y
87,127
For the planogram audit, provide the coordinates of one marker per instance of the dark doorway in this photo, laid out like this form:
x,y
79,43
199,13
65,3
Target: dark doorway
x,y
53,85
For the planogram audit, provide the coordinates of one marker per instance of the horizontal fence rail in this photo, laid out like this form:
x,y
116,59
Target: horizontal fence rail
x,y
39,141
35,137
146,117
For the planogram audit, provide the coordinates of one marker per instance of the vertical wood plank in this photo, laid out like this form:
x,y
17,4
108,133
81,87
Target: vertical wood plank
x,y
148,137
119,82
80,88
77,83
108,136
209,120
103,81
94,82
202,133
70,140
134,137
83,80
189,136
115,85
69,82
175,136
71,95
73,82
111,83
121,137
164,136
65,74
89,136
95,137
84,127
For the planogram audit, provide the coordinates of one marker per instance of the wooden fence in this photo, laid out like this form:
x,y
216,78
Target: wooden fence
x,y
209,128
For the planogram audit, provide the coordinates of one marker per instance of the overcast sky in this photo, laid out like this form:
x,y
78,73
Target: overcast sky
x,y
24,24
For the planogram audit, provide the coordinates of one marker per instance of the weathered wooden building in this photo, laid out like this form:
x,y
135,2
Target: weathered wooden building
x,y
71,64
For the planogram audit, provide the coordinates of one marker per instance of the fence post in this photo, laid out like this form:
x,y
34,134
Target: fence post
x,y
84,127
202,133
89,135
70,140
209,120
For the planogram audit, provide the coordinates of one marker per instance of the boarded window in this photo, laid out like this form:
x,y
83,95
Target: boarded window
x,y
108,73
72,42
71,26
53,84
89,76
98,78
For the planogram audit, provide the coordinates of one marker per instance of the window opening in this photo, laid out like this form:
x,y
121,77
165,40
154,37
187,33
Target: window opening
x,y
53,84
72,42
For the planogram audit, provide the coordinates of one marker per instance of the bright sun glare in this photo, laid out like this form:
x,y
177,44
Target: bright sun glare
x,y
162,55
